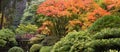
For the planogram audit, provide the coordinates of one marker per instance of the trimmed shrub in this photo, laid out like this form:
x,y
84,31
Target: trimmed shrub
x,y
104,40
82,41
15,49
7,36
109,21
103,45
73,42
107,33
46,49
35,48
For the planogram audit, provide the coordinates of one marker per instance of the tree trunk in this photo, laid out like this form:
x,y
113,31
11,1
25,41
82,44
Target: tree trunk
x,y
1,21
0,12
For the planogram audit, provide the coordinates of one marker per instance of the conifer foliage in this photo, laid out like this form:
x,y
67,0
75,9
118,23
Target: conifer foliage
x,y
85,42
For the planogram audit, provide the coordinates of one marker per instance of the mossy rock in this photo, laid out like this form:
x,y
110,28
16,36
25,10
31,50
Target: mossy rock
x,y
50,40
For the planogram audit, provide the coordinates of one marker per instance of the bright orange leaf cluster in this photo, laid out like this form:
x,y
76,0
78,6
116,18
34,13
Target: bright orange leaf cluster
x,y
112,3
96,13
62,7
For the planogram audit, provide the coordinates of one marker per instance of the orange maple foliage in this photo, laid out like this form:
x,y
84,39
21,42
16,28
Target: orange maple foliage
x,y
44,28
112,3
93,14
74,22
97,13
60,8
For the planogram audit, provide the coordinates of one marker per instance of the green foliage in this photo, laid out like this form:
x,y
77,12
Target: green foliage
x,y
39,19
15,49
85,42
35,48
109,21
107,33
26,29
59,26
7,36
113,50
103,45
45,49
104,40
73,42
30,11
2,42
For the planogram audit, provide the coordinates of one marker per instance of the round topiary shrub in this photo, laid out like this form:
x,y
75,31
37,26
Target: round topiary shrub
x,y
35,48
109,21
15,49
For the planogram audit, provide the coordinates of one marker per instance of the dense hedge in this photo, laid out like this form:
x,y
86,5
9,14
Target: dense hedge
x,y
109,21
85,42
102,45
108,33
